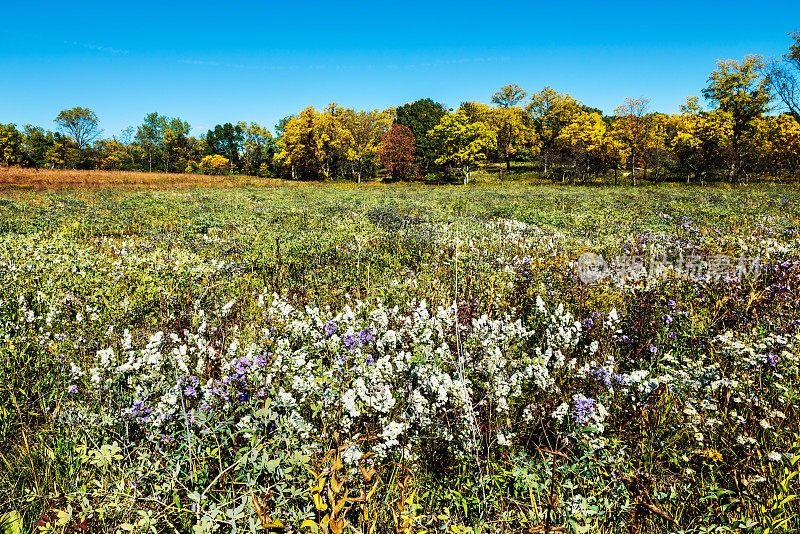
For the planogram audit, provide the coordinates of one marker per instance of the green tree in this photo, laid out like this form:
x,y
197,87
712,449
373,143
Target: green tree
x,y
164,140
175,144
150,134
81,124
420,117
37,143
226,140
461,143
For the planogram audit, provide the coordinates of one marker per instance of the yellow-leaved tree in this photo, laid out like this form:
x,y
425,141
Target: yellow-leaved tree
x,y
784,143
740,89
332,139
366,129
11,141
550,112
511,124
297,146
587,139
215,164
462,143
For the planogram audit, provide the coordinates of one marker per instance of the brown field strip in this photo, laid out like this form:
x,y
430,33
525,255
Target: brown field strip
x,y
44,179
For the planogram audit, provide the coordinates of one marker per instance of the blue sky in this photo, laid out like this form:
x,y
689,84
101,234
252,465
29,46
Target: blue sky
x,y
216,62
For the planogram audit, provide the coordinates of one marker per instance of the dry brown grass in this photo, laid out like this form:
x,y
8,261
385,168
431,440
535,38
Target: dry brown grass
x,y
44,179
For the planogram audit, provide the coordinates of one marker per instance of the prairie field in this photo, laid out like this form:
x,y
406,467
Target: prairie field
x,y
21,178
185,353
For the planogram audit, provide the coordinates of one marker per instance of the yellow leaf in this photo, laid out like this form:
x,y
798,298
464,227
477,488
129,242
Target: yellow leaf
x,y
309,524
321,506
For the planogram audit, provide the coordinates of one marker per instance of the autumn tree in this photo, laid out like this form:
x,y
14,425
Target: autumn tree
x,y
784,134
740,88
461,143
550,112
60,153
586,139
397,153
332,139
110,154
508,96
296,146
475,111
366,130
513,130
12,153
633,127
215,164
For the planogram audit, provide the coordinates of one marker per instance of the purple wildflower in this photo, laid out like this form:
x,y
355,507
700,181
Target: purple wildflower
x,y
140,410
350,341
604,375
330,328
72,389
771,359
583,408
366,336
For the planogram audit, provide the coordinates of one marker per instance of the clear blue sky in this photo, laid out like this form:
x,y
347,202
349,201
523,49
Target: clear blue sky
x,y
216,62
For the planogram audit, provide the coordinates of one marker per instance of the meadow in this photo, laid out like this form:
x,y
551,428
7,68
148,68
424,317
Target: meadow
x,y
276,357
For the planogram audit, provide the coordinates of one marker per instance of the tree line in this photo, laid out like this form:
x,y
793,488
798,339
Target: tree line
x,y
749,127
